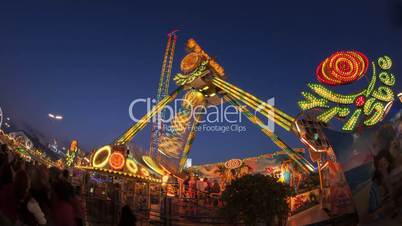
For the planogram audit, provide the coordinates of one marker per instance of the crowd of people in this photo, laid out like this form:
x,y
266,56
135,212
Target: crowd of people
x,y
31,194
195,187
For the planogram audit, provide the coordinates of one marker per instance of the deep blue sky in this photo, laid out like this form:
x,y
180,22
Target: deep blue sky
x,y
89,59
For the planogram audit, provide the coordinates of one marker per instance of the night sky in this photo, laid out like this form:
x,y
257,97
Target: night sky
x,y
88,60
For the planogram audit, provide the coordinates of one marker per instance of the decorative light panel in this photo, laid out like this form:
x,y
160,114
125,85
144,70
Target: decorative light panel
x,y
365,107
99,159
116,160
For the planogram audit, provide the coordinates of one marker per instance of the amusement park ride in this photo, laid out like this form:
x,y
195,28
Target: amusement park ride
x,y
163,89
204,83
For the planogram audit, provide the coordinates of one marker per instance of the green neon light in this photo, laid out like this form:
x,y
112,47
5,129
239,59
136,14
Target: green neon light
x,y
385,62
182,79
368,103
374,108
327,115
351,123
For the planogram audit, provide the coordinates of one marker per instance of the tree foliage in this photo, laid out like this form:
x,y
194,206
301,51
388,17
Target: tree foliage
x,y
256,199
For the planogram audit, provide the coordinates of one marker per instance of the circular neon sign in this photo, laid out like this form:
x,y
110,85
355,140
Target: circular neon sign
x,y
342,67
131,166
100,160
233,163
117,160
365,107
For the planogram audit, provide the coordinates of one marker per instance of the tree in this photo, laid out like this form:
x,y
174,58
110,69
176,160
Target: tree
x,y
256,199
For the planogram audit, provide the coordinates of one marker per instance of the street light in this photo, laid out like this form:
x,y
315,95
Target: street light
x,y
54,116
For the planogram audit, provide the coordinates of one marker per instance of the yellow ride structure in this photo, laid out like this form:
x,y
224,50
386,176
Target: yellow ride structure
x,y
203,81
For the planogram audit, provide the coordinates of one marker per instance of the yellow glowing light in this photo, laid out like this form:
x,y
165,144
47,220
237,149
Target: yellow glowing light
x,y
101,163
267,110
193,98
164,168
151,164
130,133
145,172
165,179
351,123
281,179
131,166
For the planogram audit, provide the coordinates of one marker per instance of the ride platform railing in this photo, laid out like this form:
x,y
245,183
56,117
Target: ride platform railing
x,y
102,211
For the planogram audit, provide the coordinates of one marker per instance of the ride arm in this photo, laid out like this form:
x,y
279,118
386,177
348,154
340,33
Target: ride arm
x,y
295,156
131,132
276,115
189,141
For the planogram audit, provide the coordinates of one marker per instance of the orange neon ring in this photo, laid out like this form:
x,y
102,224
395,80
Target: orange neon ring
x,y
103,163
117,160
131,166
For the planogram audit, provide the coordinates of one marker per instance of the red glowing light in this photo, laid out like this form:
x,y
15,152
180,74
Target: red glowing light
x,y
116,160
342,68
360,101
